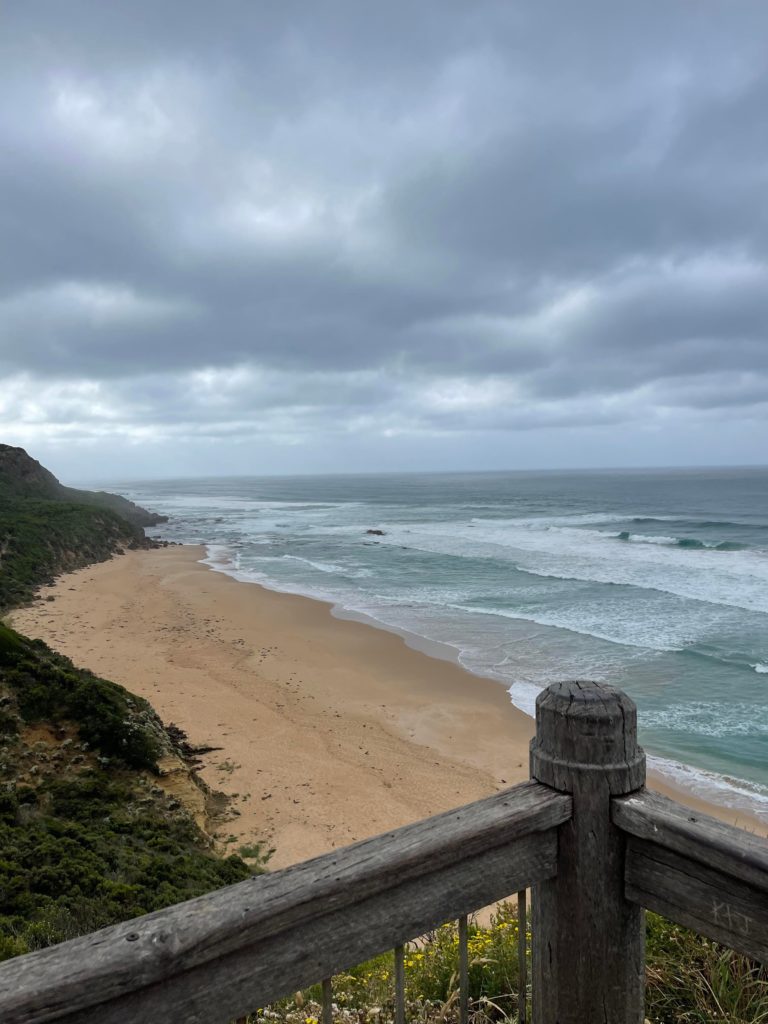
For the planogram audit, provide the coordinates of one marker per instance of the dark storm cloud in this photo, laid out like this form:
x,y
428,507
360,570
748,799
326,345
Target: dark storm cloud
x,y
403,218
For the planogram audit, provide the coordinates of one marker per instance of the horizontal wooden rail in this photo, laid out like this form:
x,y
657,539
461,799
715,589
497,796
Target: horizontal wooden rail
x,y
222,955
594,845
695,870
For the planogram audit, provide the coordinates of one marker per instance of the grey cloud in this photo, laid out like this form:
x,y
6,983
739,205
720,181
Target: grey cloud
x,y
353,201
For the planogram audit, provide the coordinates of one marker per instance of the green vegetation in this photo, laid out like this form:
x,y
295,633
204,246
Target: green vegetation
x,y
690,981
79,854
40,539
23,478
87,835
254,851
47,529
46,687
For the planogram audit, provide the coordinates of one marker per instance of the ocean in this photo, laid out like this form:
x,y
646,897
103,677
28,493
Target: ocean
x,y
656,581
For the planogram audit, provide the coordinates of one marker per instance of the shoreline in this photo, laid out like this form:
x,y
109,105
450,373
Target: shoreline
x,y
664,781
328,729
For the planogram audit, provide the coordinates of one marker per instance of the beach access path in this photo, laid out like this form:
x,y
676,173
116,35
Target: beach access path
x,y
326,730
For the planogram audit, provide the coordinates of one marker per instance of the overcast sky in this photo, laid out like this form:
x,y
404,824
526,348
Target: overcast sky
x,y
259,237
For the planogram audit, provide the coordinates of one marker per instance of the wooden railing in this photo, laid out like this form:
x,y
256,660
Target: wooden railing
x,y
595,847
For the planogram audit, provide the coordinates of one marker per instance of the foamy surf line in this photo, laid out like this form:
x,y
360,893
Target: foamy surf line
x,y
733,793
221,558
225,559
726,791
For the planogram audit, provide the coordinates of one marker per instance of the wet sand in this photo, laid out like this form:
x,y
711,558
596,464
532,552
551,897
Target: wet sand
x,y
327,730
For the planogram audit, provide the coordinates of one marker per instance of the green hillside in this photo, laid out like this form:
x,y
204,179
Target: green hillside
x,y
88,837
47,529
22,477
41,539
88,834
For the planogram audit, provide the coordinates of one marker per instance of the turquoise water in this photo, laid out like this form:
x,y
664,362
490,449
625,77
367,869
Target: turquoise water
x,y
656,581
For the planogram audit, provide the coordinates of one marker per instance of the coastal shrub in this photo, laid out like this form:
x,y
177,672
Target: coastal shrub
x,y
366,992
690,980
11,645
92,851
48,688
253,851
40,539
693,979
8,723
432,966
87,839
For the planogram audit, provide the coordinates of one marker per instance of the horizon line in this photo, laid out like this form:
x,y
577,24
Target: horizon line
x,y
433,472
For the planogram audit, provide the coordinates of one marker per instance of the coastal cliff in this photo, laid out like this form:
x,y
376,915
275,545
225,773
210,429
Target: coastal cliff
x,y
102,814
47,528
22,477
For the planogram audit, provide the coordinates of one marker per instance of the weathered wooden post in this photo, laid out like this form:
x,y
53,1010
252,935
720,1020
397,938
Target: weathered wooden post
x,y
588,941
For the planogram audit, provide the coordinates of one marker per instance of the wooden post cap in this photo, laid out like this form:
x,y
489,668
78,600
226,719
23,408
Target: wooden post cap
x,y
586,727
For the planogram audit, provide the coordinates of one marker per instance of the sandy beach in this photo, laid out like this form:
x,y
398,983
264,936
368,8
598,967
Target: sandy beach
x,y
326,730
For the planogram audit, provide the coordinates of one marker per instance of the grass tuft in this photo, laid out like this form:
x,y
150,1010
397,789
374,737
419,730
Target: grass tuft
x,y
690,980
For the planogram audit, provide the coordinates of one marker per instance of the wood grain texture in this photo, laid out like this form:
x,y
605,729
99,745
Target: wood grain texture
x,y
697,871
522,957
588,939
221,955
711,902
652,816
463,969
327,944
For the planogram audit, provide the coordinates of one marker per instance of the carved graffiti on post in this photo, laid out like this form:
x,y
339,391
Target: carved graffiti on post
x,y
725,914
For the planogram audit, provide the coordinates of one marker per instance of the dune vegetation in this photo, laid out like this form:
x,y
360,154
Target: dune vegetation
x,y
690,980
88,835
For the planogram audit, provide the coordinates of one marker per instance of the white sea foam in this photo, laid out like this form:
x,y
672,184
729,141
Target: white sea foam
x,y
221,557
327,567
691,544
735,794
332,568
648,538
219,561
599,595
523,696
738,794
702,717
542,522
657,633
737,579
708,718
